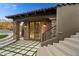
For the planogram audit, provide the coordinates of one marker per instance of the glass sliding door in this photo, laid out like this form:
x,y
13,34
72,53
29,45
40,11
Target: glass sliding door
x,y
35,30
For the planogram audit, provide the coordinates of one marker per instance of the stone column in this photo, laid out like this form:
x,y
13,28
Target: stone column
x,y
22,31
26,30
16,30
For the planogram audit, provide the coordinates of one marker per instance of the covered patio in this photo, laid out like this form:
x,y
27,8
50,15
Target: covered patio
x,y
31,25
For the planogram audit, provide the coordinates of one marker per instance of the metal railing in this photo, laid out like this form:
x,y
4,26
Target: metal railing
x,y
48,34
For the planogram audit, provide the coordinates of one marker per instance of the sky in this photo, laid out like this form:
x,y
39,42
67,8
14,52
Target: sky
x,y
15,8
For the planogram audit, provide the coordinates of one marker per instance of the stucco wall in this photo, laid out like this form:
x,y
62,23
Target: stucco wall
x,y
68,19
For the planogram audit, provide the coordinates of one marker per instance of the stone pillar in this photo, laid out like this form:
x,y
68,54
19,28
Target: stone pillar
x,y
16,30
26,30
22,31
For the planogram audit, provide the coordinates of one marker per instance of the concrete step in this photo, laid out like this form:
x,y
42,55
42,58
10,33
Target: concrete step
x,y
76,46
43,51
50,50
7,43
74,36
65,49
71,46
77,33
7,40
72,40
55,51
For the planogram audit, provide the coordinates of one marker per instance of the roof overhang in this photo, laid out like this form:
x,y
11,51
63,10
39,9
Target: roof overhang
x,y
40,12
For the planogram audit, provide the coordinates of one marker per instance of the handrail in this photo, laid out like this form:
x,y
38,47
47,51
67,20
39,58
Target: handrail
x,y
48,34
49,29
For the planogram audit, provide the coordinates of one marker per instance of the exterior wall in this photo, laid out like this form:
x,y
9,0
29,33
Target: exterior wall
x,y
26,31
67,20
16,30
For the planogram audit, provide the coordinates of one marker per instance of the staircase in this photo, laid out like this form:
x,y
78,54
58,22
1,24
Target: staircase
x,y
47,36
7,40
67,47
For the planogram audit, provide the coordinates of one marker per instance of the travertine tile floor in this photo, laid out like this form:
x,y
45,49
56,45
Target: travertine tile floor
x,y
20,48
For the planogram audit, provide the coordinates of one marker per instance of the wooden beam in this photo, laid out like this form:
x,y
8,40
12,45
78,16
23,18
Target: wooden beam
x,y
34,13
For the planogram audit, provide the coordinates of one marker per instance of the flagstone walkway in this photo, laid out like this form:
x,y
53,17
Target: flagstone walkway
x,y
20,48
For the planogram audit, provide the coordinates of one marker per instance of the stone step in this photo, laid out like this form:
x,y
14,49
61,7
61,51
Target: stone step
x,y
43,51
7,43
72,40
77,33
65,49
72,46
76,46
6,38
55,51
3,42
50,50
74,36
